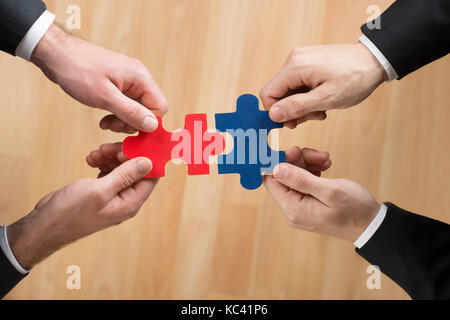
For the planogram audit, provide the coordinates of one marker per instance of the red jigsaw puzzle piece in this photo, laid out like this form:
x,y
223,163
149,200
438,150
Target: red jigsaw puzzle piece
x,y
193,144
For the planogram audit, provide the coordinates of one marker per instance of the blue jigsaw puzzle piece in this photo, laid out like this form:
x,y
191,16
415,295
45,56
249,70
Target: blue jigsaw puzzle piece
x,y
251,155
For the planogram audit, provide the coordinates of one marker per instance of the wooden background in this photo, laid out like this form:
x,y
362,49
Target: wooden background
x,y
205,237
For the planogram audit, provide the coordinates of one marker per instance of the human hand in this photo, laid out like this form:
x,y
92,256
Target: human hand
x,y
80,209
319,78
102,79
336,207
106,158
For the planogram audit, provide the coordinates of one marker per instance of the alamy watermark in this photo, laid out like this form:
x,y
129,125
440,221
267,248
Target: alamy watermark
x,y
250,146
73,22
374,280
374,20
73,281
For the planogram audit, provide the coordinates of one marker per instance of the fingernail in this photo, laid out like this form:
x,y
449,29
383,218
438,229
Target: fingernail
x,y
144,166
277,114
149,124
281,171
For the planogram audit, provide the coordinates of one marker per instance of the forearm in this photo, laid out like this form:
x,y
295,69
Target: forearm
x,y
51,52
412,34
24,244
413,251
32,240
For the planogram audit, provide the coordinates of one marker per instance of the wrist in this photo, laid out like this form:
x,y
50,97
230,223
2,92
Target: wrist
x,y
24,240
364,219
372,66
50,50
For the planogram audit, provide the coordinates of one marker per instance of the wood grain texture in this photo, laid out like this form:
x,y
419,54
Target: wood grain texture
x,y
206,237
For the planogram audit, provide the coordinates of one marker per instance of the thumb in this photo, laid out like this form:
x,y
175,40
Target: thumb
x,y
132,112
304,182
126,175
299,105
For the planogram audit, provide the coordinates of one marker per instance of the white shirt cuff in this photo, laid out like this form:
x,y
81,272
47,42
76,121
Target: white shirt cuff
x,y
380,57
372,228
4,244
34,35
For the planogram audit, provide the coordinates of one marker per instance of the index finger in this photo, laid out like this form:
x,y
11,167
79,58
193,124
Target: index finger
x,y
148,93
283,84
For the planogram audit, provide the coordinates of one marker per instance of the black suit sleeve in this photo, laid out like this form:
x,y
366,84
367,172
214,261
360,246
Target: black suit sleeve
x,y
413,33
9,276
16,18
414,251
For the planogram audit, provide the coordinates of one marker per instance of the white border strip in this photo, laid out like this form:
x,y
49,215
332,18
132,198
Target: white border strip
x,y
372,228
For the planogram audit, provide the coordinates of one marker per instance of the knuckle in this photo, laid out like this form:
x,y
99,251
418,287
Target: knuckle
x,y
263,93
164,107
137,63
132,111
116,222
106,95
334,192
299,182
141,69
126,215
294,219
98,195
134,208
88,182
135,66
125,179
295,53
291,220
133,212
297,106
285,206
341,185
